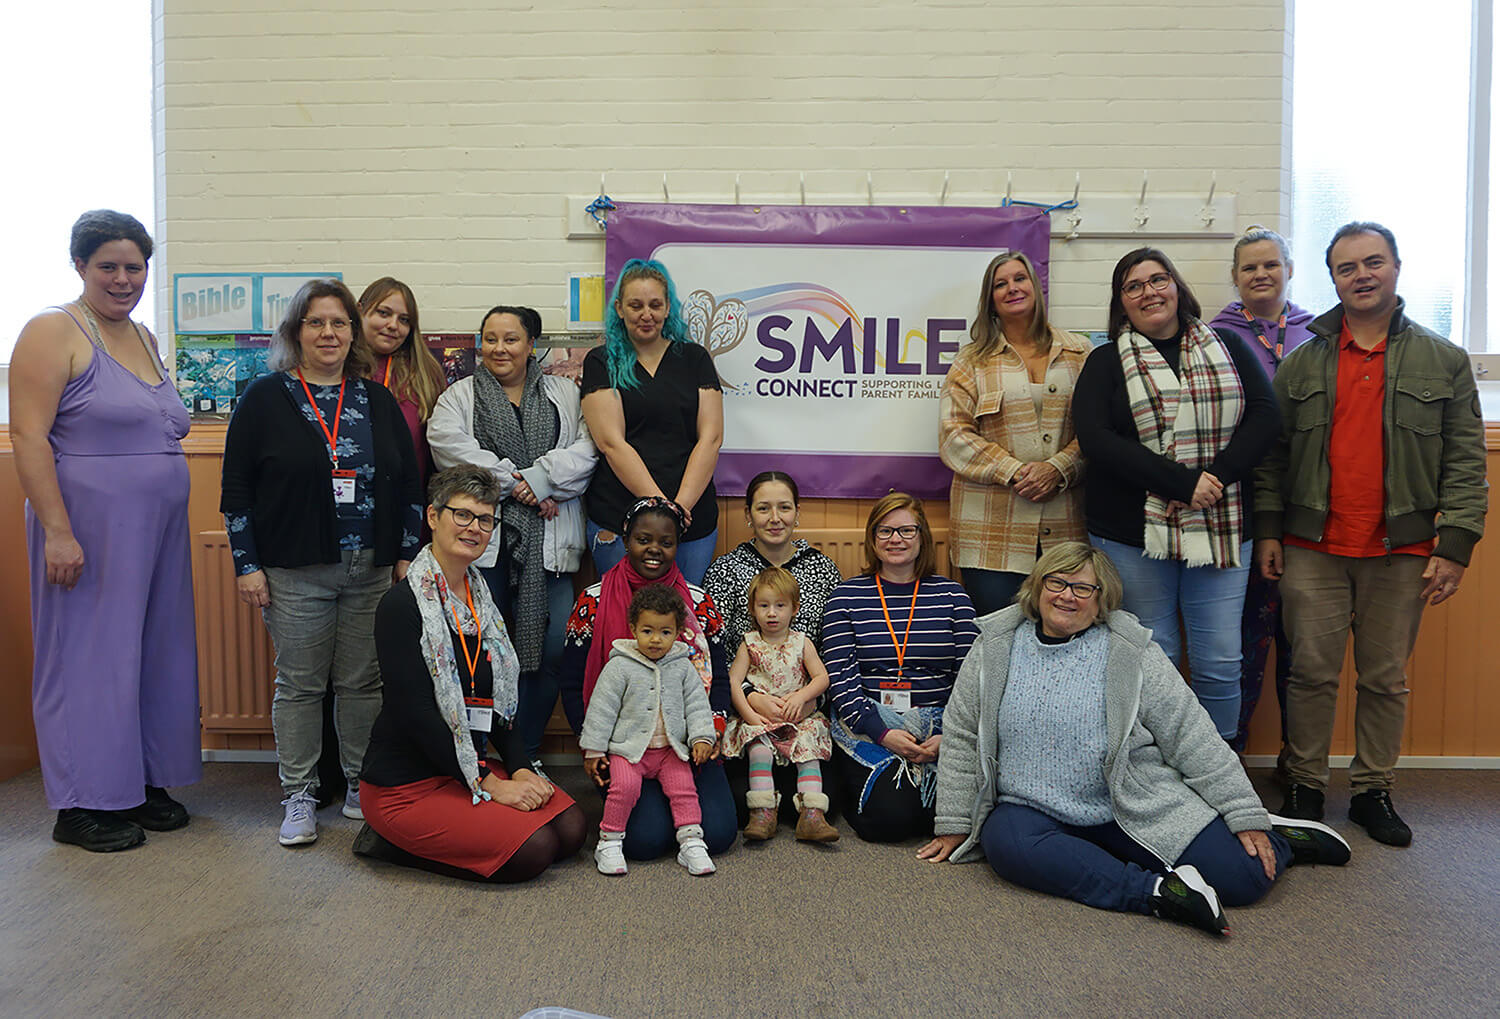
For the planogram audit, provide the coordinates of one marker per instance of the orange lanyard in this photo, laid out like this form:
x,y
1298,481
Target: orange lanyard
x,y
901,645
472,663
385,380
1280,332
331,436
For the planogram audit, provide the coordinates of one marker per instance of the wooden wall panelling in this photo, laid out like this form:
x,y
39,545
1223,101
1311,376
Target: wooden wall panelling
x,y
17,733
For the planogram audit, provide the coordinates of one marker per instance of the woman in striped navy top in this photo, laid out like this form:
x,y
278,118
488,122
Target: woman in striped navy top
x,y
893,639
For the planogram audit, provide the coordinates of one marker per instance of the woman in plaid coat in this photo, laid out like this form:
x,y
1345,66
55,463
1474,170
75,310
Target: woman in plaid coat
x,y
1006,432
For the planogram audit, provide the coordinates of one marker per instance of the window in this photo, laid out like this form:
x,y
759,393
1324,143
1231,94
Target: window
x,y
78,113
1380,131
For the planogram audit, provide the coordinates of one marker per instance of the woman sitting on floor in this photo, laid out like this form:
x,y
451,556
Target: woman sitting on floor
x,y
1079,762
893,639
651,531
431,800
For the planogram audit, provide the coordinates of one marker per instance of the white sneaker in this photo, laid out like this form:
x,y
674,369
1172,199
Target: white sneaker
x,y
693,854
300,824
352,808
351,803
609,856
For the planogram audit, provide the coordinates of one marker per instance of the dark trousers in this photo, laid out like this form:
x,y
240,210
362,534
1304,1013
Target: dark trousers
x,y
991,590
1262,630
893,812
1103,867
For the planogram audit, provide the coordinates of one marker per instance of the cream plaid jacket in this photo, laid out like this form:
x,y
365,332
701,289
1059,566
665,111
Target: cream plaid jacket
x,y
989,428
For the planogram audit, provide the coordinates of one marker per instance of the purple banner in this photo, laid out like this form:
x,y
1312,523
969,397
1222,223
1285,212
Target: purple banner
x,y
831,327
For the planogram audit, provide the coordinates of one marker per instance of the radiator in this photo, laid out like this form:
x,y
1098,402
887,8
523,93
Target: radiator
x,y
846,547
236,660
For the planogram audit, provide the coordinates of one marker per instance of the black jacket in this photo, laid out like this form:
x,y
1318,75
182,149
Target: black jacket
x,y
1121,470
277,468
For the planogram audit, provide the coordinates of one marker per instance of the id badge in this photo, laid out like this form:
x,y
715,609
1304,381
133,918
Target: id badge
x,y
343,488
481,713
895,695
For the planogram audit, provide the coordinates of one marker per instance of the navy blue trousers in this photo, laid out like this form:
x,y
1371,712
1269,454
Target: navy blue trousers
x,y
1103,867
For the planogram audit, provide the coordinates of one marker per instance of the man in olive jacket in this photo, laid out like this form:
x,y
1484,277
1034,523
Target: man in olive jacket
x,y
1367,509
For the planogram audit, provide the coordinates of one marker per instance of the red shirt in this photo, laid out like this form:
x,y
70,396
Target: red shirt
x,y
1355,525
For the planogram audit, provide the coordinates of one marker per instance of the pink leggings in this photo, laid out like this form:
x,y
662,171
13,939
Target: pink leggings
x,y
662,764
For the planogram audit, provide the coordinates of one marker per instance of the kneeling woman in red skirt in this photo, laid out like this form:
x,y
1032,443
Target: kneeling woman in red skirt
x,y
430,798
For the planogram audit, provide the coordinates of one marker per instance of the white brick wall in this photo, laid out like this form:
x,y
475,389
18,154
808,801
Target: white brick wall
x,y
440,145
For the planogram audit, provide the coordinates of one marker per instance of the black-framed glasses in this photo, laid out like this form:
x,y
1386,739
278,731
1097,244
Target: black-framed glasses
x,y
1057,585
463,517
340,325
906,532
1157,281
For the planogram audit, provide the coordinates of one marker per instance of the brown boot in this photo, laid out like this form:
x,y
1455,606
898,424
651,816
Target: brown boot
x,y
762,824
763,821
812,826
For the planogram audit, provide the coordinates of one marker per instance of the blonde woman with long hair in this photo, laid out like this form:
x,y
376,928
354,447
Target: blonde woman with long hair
x,y
1006,431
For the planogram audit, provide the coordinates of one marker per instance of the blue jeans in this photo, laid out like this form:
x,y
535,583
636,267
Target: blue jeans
x,y
1103,867
693,556
1212,603
537,692
991,590
651,833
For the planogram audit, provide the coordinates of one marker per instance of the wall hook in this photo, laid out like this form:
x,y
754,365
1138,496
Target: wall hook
x,y
1075,215
1142,214
736,189
944,196
802,186
1009,179
665,196
1206,214
870,186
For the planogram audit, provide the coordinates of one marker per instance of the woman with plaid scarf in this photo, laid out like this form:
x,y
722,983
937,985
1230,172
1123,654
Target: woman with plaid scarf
x,y
1173,417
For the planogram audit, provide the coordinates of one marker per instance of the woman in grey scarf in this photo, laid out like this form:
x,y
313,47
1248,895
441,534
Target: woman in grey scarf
x,y
526,428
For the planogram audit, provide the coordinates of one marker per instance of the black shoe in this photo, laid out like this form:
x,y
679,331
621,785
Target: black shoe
x,y
1311,842
98,831
369,843
1302,803
1183,896
159,813
1373,811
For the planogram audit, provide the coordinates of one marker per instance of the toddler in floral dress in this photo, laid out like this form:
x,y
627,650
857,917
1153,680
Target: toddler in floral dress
x,y
780,668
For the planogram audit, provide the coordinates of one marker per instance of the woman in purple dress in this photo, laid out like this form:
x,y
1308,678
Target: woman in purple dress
x,y
97,426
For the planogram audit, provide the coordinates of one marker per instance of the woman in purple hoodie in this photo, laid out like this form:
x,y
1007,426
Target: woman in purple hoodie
x,y
1270,326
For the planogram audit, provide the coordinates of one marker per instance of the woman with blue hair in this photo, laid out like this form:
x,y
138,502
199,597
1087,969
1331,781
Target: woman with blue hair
x,y
653,403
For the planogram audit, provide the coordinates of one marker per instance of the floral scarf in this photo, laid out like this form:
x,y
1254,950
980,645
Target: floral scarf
x,y
438,605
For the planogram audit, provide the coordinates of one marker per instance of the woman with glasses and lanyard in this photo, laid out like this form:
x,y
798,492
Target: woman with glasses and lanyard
x,y
432,798
893,638
1271,327
1078,764
323,508
1173,418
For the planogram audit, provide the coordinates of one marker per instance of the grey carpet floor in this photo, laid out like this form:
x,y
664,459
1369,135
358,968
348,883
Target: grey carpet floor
x,y
218,919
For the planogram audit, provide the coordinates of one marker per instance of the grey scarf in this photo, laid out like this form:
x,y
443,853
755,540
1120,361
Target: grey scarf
x,y
521,527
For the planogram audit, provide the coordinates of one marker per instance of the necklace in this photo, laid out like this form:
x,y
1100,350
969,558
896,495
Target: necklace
x,y
88,316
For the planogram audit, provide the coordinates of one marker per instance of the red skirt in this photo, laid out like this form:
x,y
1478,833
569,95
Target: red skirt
x,y
437,819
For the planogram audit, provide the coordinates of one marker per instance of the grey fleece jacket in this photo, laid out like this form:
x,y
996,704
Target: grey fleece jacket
x,y
622,711
1169,772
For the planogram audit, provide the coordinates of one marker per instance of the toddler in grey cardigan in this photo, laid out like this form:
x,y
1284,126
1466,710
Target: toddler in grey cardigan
x,y
648,706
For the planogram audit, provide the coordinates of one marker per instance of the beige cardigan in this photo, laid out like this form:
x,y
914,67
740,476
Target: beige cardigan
x,y
988,429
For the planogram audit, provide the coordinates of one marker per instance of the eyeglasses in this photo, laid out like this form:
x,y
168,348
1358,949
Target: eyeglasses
x,y
1081,591
1157,282
906,532
463,517
340,325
